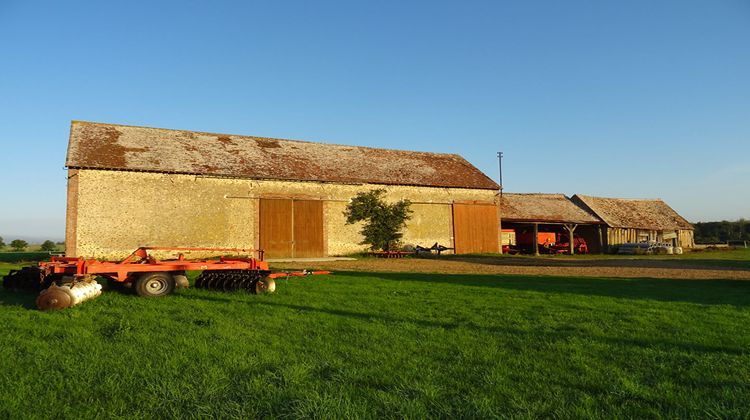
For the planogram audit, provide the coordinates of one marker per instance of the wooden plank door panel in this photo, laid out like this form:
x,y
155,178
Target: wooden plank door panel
x,y
308,229
475,228
276,234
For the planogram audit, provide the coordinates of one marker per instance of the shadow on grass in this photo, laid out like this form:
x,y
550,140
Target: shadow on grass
x,y
24,299
625,262
706,292
526,335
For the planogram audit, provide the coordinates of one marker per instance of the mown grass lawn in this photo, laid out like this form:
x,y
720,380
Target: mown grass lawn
x,y
387,345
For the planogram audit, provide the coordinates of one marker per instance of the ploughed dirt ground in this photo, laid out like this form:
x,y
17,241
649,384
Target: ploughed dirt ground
x,y
557,266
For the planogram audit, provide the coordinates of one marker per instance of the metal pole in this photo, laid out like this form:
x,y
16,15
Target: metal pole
x,y
500,166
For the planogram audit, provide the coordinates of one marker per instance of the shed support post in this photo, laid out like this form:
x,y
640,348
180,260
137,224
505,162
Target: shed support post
x,y
571,238
601,241
536,239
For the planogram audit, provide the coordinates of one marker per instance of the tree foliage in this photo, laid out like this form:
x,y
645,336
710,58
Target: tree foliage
x,y
382,221
2,243
721,232
48,246
18,244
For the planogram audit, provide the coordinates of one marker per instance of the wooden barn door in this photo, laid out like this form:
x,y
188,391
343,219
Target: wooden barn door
x,y
276,228
475,228
308,229
291,228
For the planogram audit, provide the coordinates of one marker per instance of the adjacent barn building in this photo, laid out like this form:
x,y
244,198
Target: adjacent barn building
x,y
529,214
637,220
136,186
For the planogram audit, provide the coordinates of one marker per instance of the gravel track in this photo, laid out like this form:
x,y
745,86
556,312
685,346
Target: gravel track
x,y
674,269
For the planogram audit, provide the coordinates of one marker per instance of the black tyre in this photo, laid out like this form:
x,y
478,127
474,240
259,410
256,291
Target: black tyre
x,y
115,285
154,284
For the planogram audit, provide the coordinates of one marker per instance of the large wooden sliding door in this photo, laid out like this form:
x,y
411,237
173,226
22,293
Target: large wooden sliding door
x,y
276,228
291,228
475,228
308,229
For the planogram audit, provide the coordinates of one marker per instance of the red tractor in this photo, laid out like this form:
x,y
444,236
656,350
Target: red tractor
x,y
562,246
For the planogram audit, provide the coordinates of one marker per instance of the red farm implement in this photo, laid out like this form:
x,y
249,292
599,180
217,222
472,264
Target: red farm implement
x,y
67,281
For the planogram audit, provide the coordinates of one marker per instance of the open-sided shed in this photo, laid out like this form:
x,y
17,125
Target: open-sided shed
x,y
552,213
637,220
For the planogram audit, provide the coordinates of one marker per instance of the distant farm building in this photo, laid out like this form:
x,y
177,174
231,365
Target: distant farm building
x,y
549,217
135,186
637,220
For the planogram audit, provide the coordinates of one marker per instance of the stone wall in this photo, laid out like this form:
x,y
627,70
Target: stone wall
x,y
110,213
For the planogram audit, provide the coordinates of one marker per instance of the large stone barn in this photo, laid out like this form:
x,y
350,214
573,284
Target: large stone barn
x,y
528,214
638,220
136,186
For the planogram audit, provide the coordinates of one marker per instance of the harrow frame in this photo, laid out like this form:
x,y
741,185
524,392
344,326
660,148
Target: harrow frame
x,y
67,281
141,261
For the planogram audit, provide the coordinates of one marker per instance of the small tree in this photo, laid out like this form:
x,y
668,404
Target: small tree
x,y
48,246
2,243
383,221
18,244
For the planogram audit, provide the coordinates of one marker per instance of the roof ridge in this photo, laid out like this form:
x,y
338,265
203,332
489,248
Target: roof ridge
x,y
620,198
536,193
262,138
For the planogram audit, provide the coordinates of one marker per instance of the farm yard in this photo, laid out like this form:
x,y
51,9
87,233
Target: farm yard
x,y
468,336
730,264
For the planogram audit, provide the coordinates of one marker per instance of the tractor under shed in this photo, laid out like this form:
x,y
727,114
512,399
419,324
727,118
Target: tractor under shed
x,y
534,213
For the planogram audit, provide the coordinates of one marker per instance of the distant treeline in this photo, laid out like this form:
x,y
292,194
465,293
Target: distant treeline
x,y
721,232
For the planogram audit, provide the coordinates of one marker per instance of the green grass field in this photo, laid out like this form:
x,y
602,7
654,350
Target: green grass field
x,y
376,345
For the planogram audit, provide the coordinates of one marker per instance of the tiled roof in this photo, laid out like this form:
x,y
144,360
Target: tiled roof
x,y
120,147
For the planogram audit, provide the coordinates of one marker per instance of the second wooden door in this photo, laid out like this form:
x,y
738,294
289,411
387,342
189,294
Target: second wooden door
x,y
291,228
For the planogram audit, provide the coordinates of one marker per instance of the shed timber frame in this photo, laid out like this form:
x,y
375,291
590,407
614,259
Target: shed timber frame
x,y
552,210
636,220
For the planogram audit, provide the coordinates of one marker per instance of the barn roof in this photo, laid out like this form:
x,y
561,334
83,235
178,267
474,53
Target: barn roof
x,y
543,208
121,147
634,213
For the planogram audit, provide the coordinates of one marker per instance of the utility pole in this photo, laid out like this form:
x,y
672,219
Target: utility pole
x,y
499,216
500,166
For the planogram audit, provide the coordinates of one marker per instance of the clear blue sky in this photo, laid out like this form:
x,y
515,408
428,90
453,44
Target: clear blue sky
x,y
613,98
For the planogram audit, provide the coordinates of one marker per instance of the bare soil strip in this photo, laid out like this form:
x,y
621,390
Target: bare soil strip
x,y
580,268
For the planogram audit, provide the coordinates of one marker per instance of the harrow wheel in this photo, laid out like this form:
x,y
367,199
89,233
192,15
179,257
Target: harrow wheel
x,y
253,281
154,284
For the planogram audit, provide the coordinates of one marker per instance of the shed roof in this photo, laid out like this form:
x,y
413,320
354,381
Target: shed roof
x,y
650,214
121,147
543,208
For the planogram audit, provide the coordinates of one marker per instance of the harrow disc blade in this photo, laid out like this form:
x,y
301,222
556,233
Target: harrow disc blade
x,y
233,284
265,285
210,281
234,280
199,281
248,285
53,298
228,281
26,279
9,280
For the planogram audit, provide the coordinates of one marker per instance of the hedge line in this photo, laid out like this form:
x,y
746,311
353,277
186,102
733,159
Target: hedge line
x,y
13,257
